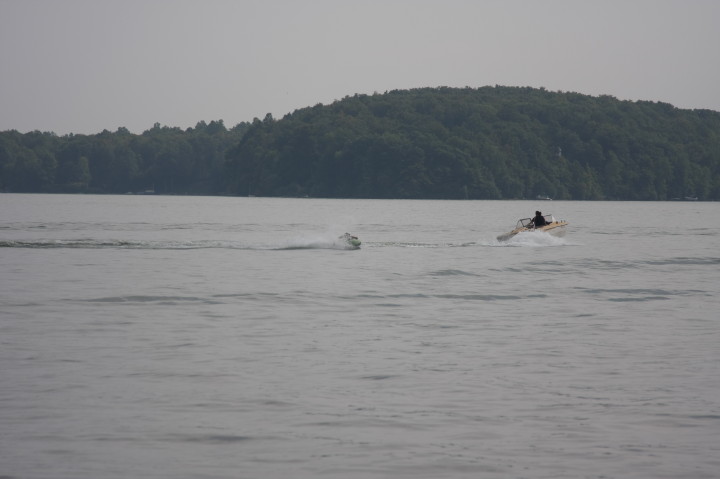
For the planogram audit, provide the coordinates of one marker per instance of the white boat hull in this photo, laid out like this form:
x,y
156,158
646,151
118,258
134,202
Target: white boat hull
x,y
556,228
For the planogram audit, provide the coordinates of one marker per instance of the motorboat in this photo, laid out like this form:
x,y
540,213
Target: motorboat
x,y
351,241
553,226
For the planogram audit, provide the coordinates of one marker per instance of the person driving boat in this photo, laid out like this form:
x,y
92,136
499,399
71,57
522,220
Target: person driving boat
x,y
539,220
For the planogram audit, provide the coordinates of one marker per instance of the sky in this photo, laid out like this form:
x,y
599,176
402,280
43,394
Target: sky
x,y
84,66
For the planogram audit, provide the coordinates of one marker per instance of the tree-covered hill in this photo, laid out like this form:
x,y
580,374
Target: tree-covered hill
x,y
485,143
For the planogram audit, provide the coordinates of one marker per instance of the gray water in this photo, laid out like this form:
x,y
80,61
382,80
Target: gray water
x,y
186,337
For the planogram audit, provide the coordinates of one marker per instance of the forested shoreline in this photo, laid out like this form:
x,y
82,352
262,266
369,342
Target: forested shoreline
x,y
163,160
434,143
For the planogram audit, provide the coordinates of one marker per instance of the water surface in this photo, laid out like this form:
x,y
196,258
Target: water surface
x,y
191,337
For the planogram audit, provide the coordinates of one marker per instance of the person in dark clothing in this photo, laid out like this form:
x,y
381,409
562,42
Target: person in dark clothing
x,y
539,220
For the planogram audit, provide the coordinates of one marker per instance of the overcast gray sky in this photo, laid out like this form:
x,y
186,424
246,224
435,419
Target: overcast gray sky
x,y
83,66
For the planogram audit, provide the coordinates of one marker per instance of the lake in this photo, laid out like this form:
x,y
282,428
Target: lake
x,y
215,337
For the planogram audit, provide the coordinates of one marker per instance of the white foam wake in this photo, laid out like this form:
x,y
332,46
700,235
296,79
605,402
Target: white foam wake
x,y
535,239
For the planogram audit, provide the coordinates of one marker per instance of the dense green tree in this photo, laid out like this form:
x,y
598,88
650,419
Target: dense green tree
x,y
477,143
499,142
167,159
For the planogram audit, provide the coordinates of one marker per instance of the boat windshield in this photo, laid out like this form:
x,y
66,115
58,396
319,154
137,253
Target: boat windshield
x,y
524,223
527,222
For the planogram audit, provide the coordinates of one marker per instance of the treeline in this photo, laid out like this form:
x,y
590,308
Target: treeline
x,y
485,143
162,159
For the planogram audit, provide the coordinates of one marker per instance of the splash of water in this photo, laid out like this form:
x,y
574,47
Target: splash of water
x,y
527,239
316,242
535,239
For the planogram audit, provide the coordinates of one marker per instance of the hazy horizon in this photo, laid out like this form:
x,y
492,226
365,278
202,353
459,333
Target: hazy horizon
x,y
84,66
